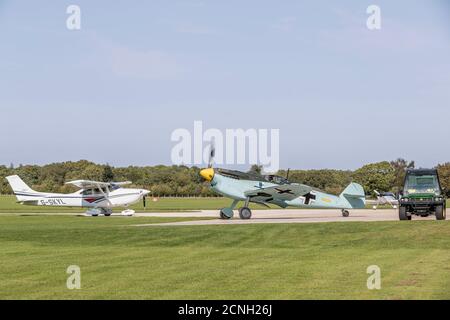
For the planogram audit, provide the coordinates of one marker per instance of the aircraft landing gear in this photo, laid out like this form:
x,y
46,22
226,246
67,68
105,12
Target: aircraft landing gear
x,y
245,213
345,213
106,212
93,212
227,213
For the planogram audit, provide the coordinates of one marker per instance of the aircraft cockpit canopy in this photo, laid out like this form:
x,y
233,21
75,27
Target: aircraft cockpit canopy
x,y
276,179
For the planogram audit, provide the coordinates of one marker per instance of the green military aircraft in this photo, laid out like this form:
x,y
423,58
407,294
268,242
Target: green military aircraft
x,y
276,190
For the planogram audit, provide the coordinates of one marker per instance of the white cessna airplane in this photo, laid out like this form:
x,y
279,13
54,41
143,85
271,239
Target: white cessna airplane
x,y
99,197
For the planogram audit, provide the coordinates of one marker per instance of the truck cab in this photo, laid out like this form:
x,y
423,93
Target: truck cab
x,y
422,195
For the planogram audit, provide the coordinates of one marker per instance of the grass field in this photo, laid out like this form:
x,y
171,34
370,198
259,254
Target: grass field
x,y
292,261
278,261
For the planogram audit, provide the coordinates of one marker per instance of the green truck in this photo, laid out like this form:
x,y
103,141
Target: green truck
x,y
422,195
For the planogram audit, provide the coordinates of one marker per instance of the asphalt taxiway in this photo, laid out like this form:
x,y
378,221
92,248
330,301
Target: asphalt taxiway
x,y
280,216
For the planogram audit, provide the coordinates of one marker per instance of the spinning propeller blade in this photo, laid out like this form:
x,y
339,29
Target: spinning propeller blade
x,y
208,174
212,154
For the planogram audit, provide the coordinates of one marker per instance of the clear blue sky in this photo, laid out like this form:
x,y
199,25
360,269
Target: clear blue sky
x,y
114,91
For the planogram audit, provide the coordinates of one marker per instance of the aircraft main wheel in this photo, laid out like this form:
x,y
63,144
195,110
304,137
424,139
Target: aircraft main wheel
x,y
245,213
440,213
402,214
226,214
107,214
345,213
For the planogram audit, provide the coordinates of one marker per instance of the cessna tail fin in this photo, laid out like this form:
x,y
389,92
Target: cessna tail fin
x,y
354,195
22,191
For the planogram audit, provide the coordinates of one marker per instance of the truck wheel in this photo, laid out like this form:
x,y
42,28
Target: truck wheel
x,y
440,213
403,215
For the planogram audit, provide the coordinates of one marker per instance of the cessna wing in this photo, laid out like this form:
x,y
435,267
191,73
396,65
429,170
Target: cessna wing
x,y
86,184
279,194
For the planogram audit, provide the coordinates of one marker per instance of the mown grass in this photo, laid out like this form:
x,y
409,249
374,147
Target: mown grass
x,y
279,261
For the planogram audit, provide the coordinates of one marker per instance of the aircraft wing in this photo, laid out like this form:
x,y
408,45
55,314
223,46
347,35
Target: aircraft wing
x,y
279,193
86,184
124,183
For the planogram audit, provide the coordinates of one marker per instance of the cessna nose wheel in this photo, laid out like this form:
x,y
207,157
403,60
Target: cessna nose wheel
x,y
345,213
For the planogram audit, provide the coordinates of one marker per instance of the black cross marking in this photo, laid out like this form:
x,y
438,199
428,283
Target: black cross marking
x,y
264,195
280,191
309,197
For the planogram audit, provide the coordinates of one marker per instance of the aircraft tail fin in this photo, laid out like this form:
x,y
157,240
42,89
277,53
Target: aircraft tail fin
x,y
22,191
354,196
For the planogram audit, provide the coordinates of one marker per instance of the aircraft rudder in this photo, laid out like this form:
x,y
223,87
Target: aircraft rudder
x,y
354,195
19,186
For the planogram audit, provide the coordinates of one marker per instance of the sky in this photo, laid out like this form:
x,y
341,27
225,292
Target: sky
x,y
113,92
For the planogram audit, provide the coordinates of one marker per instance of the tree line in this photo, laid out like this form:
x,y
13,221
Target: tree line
x,y
185,181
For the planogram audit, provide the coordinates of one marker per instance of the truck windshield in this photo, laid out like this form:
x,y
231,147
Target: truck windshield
x,y
416,184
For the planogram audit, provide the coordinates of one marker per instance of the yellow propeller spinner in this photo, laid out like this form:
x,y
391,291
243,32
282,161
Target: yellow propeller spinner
x,y
207,174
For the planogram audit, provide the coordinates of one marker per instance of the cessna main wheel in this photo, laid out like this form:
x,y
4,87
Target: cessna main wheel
x,y
106,212
345,213
245,213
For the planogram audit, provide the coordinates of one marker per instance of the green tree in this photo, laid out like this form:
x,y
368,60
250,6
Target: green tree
x,y
255,169
92,172
108,174
400,165
376,176
444,177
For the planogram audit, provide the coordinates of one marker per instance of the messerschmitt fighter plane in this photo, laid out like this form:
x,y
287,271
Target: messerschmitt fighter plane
x,y
98,197
276,190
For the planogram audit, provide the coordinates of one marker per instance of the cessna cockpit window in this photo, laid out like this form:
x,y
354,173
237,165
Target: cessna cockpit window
x,y
89,192
101,190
